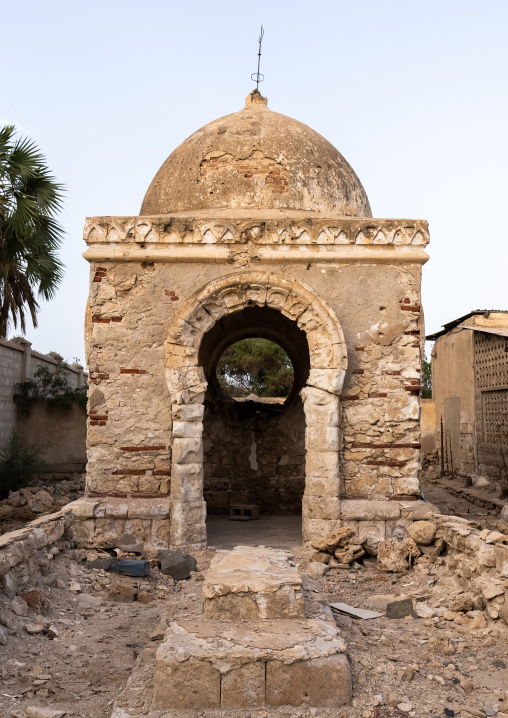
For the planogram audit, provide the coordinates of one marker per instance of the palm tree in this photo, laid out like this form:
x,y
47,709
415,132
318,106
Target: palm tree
x,y
29,234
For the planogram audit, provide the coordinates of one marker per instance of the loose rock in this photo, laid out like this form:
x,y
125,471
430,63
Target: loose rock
x,y
176,564
37,712
400,609
423,532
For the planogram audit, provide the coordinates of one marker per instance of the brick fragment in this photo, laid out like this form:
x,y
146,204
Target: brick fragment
x,y
129,472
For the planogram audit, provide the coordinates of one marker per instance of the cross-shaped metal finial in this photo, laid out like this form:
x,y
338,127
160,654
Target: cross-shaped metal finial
x,y
256,76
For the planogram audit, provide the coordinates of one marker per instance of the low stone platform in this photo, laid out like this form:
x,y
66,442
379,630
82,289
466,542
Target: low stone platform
x,y
230,665
253,583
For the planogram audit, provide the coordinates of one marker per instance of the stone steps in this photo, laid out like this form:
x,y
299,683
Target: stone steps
x,y
232,665
262,641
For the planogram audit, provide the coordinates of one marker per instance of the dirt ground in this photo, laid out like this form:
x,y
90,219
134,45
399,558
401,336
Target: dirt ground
x,y
91,633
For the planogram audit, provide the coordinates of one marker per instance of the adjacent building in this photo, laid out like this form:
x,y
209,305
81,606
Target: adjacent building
x,y
470,392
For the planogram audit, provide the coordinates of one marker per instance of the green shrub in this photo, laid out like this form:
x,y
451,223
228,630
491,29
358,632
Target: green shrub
x,y
20,461
54,387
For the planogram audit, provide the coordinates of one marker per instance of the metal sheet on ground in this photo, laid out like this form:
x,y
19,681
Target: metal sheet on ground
x,y
355,612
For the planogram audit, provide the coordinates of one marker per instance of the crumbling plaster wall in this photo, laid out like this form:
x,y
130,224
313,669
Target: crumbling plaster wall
x,y
131,306
453,390
428,423
260,460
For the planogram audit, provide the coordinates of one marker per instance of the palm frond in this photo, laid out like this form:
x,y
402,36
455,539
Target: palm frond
x,y
30,236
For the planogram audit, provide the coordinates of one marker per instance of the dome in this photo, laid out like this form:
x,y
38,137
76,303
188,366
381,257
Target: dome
x,y
256,159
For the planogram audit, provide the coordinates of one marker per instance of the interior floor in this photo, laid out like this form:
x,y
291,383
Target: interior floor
x,y
269,530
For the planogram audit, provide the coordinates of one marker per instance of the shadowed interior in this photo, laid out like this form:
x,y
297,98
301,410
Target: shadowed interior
x,y
254,451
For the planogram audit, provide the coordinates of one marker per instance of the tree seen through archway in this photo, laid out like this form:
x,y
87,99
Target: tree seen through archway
x,y
255,366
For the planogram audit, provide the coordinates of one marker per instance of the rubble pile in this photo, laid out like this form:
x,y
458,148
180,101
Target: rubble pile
x,y
38,499
476,559
338,548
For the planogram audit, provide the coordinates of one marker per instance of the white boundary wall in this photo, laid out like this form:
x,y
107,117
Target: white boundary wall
x,y
17,363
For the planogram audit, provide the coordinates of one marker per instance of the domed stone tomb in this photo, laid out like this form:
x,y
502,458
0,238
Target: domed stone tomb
x,y
259,159
255,228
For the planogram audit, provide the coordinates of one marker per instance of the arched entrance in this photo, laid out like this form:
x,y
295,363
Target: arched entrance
x,y
194,342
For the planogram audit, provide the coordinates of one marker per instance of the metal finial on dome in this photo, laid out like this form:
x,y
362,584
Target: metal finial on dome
x,y
257,77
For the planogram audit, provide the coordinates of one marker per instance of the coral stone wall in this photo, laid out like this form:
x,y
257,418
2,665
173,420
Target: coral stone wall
x,y
129,433
158,285
259,461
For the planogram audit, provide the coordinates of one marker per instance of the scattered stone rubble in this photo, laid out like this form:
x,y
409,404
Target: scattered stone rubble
x,y
40,498
442,640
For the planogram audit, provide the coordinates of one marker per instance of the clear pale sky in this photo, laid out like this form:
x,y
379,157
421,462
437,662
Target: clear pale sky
x,y
414,95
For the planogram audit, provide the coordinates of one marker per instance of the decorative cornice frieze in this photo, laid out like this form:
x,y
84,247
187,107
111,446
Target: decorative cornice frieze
x,y
321,232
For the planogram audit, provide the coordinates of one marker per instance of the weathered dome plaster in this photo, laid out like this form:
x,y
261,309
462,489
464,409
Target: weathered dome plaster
x,y
256,158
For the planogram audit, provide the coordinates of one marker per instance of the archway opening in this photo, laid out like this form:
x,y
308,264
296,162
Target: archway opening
x,y
256,361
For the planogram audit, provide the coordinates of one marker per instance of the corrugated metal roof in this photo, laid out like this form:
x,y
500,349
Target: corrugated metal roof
x,y
451,325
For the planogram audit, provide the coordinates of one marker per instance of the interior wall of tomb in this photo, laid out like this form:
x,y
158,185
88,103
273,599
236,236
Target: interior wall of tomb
x,y
255,459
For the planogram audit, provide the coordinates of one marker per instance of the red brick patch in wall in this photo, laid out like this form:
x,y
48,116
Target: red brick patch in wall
x,y
97,319
359,349
142,448
129,472
414,387
358,371
410,307
171,295
96,375
97,419
161,472
378,395
365,445
133,371
355,397
99,274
